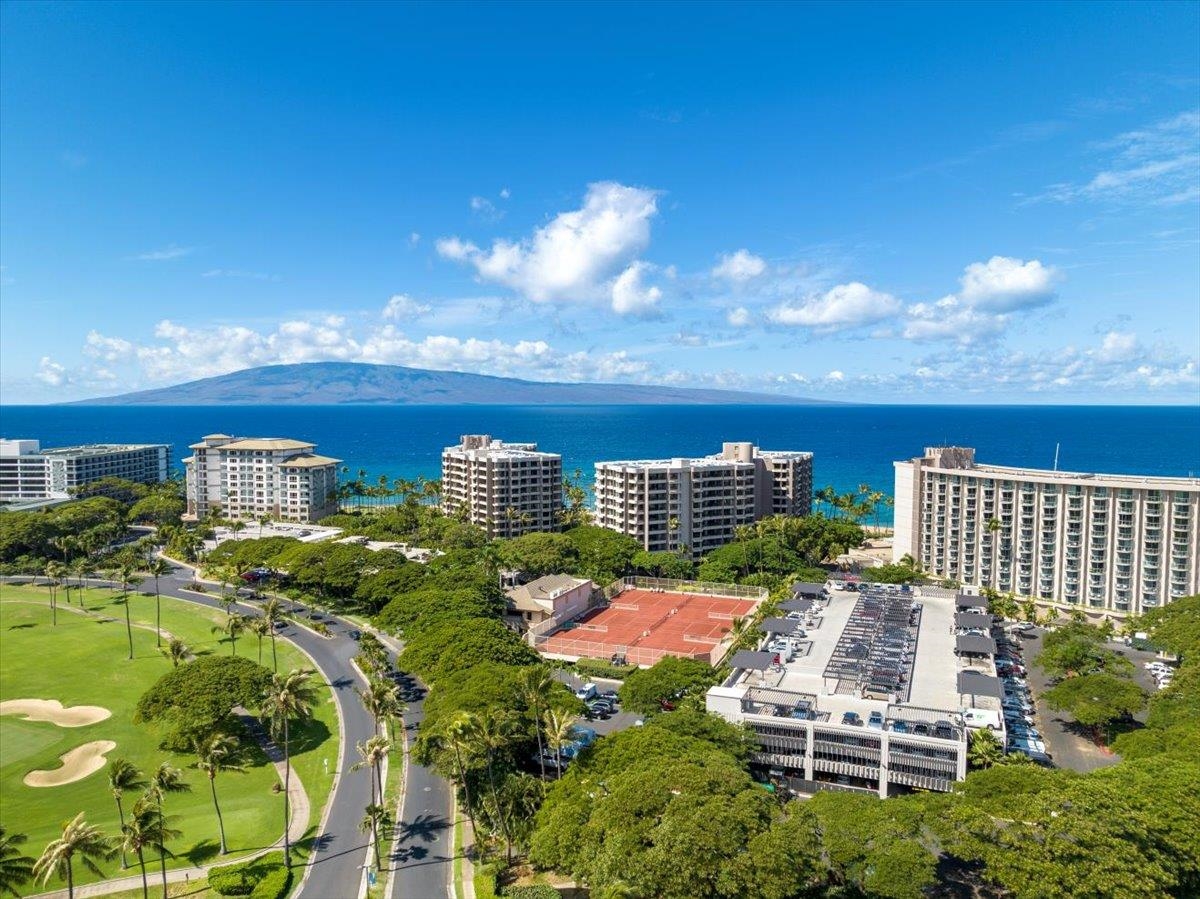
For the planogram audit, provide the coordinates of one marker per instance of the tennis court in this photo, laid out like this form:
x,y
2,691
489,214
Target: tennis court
x,y
644,625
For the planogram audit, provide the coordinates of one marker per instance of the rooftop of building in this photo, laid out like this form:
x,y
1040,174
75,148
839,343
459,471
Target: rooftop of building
x,y
309,460
732,454
84,449
539,595
254,443
961,460
932,679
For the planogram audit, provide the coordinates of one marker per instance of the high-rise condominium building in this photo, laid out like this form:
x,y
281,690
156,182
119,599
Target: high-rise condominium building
x,y
28,472
508,489
667,504
1111,545
251,477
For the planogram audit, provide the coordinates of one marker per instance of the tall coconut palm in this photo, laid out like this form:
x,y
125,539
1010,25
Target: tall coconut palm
x,y
371,753
272,613
128,578
165,780
220,752
158,568
263,521
138,833
15,868
233,627
81,569
288,696
536,687
177,651
559,732
492,733
454,736
79,840
375,818
259,627
54,574
124,777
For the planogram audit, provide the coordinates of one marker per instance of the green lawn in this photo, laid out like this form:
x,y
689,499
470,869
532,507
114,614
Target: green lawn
x,y
83,661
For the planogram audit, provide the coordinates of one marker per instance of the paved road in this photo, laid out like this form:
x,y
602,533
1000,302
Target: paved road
x,y
423,855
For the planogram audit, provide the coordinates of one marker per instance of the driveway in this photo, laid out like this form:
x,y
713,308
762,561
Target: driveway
x,y
619,721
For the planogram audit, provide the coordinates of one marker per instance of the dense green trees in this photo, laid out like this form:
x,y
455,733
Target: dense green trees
x,y
670,678
445,646
1078,648
195,700
1095,700
30,539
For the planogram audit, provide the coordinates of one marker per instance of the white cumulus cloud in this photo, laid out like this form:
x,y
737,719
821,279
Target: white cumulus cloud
x,y
631,297
402,307
740,317
842,307
576,256
1003,284
739,266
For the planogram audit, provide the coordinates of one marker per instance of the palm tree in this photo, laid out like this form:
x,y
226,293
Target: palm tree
x,y
220,752
263,521
271,613
236,527
54,575
159,833
560,730
138,833
375,817
177,651
536,686
492,732
123,776
157,569
455,736
288,696
165,779
15,869
78,839
372,753
128,579
82,568
259,627
384,705
233,626
984,749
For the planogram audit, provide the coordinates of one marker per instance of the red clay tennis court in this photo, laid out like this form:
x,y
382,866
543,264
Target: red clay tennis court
x,y
645,625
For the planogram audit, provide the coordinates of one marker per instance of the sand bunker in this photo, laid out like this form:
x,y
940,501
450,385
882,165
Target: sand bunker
x,y
76,765
52,710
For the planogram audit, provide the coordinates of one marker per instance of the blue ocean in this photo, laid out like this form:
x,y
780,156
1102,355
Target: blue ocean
x,y
852,445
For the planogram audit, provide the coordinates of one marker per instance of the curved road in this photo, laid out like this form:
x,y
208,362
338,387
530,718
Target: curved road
x,y
340,850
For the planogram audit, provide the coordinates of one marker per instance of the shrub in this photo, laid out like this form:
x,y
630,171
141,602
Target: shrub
x,y
601,668
231,880
247,878
274,885
532,891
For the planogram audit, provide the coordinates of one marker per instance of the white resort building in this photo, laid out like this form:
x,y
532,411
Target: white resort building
x,y
667,504
28,472
246,478
1111,545
508,489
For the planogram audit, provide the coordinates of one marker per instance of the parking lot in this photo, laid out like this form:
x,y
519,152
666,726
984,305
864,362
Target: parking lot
x,y
1069,746
601,726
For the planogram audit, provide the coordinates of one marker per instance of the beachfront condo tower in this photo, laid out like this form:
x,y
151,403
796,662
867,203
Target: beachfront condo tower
x,y
248,478
694,504
1111,545
508,489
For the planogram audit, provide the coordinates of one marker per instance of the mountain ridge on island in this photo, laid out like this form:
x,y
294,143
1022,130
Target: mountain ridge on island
x,y
330,383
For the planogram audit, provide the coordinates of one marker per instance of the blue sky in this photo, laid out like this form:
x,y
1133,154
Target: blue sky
x,y
897,203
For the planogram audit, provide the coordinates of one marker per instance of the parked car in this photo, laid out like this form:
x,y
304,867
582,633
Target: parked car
x,y
852,718
586,692
875,720
666,705
900,727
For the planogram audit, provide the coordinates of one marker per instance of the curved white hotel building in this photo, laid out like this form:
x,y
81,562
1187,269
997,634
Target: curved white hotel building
x,y
1112,545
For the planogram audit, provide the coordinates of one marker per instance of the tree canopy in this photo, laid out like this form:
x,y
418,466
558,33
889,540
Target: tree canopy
x,y
668,679
196,699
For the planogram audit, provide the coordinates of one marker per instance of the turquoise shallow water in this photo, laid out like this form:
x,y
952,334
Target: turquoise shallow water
x,y
852,444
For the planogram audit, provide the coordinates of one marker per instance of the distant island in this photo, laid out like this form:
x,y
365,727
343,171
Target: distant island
x,y
327,383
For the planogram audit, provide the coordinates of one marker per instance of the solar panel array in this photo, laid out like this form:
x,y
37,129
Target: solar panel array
x,y
877,647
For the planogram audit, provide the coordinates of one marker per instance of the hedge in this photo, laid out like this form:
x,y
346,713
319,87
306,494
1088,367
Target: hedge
x,y
258,878
275,885
601,668
532,891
